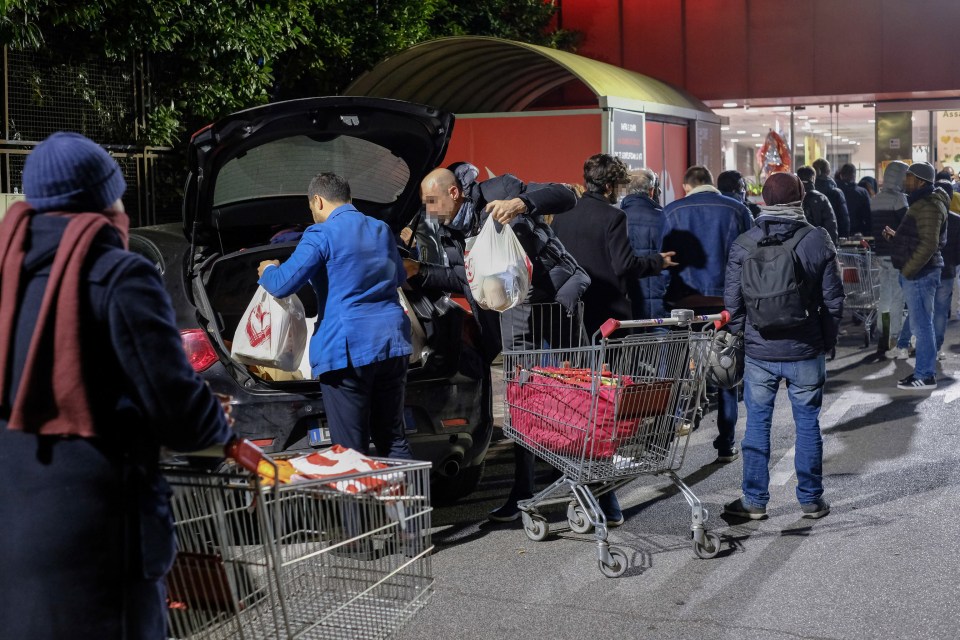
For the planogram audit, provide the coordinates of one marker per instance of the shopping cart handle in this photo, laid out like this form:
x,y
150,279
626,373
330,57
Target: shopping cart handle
x,y
724,319
610,326
245,453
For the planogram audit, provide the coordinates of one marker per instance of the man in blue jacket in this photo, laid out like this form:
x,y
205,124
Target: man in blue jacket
x,y
644,228
700,228
360,346
795,354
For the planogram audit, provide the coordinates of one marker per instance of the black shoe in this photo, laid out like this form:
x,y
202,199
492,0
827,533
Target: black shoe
x,y
914,383
740,509
507,513
723,457
816,509
614,523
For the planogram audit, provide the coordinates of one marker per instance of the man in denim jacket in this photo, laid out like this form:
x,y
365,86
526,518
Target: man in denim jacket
x,y
701,227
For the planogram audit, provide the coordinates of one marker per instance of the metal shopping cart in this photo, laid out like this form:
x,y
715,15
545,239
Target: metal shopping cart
x,y
344,557
861,285
606,412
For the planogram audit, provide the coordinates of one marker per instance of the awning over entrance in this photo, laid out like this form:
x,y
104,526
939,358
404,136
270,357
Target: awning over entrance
x,y
470,74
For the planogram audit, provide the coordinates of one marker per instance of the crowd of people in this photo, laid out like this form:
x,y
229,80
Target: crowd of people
x,y
73,298
641,259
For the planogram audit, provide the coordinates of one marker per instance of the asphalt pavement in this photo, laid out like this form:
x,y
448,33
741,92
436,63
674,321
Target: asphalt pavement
x,y
883,564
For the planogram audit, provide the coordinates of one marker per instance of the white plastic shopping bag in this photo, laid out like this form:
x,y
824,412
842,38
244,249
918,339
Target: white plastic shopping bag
x,y
272,332
498,269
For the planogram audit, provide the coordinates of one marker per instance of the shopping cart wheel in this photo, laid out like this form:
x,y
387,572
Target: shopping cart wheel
x,y
710,546
577,518
619,565
535,526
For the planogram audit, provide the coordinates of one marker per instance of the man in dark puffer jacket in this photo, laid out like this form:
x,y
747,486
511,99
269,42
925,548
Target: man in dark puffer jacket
x,y
826,185
916,253
944,296
816,206
858,200
796,355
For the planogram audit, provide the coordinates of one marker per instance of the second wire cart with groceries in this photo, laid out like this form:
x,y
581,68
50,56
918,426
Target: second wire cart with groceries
x,y
605,411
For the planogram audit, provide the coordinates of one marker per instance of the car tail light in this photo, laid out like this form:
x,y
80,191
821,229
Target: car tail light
x,y
200,352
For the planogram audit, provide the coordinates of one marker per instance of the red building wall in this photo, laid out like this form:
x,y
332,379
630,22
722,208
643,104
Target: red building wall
x,y
548,148
718,49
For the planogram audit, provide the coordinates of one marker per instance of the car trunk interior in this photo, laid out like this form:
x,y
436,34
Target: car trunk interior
x,y
227,283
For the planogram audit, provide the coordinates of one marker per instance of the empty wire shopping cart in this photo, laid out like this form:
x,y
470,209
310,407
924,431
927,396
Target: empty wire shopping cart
x,y
606,412
861,285
344,557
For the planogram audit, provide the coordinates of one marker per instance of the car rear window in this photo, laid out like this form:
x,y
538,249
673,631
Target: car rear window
x,y
285,168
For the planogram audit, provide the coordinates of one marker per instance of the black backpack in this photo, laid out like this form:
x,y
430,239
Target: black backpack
x,y
772,281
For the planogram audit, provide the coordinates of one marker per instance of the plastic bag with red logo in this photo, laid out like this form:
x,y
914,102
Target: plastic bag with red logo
x,y
272,332
498,269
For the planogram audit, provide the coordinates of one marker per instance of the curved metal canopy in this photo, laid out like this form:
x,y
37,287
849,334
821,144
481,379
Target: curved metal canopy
x,y
472,74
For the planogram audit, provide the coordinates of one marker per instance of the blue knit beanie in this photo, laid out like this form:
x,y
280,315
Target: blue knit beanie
x,y
70,172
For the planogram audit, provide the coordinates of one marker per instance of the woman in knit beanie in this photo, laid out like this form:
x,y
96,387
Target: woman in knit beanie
x,y
93,381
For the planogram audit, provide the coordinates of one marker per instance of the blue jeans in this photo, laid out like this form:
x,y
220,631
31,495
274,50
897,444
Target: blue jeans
x,y
891,296
805,380
920,295
941,309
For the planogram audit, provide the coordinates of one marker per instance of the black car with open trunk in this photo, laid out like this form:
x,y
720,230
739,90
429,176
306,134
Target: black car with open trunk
x,y
247,180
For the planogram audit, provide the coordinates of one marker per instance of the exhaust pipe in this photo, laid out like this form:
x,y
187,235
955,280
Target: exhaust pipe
x,y
450,467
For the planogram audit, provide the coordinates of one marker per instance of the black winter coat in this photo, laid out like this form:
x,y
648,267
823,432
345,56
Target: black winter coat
x,y
556,275
828,187
858,207
595,233
453,279
951,250
818,211
87,533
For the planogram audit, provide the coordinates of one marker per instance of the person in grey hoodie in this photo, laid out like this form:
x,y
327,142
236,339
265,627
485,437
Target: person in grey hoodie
x,y
887,209
795,355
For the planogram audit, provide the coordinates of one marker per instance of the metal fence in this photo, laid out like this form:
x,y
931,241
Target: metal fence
x,y
47,91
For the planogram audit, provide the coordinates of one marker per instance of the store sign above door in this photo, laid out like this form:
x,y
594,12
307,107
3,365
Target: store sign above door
x,y
626,137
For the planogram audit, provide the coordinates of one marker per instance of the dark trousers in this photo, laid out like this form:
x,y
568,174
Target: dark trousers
x,y
364,403
727,402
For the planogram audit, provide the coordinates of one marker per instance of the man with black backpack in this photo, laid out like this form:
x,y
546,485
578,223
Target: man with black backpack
x,y
783,290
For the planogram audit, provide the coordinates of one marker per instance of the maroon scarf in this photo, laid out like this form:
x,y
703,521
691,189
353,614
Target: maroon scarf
x,y
58,321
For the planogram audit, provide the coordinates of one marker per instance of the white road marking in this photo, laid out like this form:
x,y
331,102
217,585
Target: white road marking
x,y
887,371
784,470
950,393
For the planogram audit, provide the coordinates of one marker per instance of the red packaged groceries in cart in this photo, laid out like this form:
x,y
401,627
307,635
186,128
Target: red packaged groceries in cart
x,y
564,408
